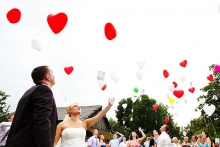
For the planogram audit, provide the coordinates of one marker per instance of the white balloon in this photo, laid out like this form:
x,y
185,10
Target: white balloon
x,y
172,107
115,79
171,87
215,97
184,133
134,98
112,73
36,45
131,119
218,7
185,101
202,101
182,78
142,91
139,75
209,110
141,64
100,83
175,114
124,105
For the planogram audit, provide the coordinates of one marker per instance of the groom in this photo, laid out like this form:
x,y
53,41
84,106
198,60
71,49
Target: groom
x,y
34,123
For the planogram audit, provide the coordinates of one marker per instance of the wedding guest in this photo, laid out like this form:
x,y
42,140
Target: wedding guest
x,y
208,141
93,141
194,141
116,141
153,141
175,142
4,129
203,142
215,144
102,141
123,143
134,141
186,142
147,142
164,138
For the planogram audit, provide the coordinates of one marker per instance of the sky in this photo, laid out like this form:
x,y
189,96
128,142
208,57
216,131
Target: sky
x,y
162,33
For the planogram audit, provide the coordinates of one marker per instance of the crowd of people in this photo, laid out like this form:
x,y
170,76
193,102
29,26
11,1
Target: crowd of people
x,y
34,123
155,140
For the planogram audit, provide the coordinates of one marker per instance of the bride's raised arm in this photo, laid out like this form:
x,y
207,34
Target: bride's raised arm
x,y
91,121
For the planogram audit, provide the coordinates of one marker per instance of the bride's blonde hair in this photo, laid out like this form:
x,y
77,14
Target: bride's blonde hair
x,y
69,108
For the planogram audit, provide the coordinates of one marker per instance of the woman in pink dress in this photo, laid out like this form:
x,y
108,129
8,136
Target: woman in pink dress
x,y
134,141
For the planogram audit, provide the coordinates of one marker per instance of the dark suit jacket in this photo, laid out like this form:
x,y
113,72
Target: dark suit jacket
x,y
35,119
152,142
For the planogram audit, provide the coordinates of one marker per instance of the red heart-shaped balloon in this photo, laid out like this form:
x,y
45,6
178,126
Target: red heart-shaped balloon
x,y
175,84
165,73
167,120
110,31
210,77
68,70
178,93
155,107
183,64
14,15
104,87
57,22
191,89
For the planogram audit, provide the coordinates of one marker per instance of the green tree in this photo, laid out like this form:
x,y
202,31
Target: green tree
x,y
4,109
143,116
211,96
211,90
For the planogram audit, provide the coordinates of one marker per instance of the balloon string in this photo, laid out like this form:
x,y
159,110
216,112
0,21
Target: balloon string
x,y
213,127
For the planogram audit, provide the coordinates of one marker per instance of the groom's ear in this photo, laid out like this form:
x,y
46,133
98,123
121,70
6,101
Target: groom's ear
x,y
47,77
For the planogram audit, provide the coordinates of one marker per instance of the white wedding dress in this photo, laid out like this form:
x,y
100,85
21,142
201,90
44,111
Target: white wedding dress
x,y
72,137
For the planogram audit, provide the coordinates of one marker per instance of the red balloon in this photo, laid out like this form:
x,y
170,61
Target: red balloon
x,y
167,120
155,107
14,15
178,93
68,70
175,84
104,87
110,31
210,77
57,22
165,73
191,89
183,64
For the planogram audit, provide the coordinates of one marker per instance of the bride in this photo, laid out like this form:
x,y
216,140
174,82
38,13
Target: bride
x,y
72,130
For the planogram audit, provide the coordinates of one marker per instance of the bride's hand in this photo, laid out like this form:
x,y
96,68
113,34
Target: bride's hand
x,y
111,101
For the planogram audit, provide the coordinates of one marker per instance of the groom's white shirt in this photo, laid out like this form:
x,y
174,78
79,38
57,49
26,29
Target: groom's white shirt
x,y
164,140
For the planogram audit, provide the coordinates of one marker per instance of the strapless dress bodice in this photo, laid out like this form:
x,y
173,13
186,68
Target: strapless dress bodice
x,y
73,137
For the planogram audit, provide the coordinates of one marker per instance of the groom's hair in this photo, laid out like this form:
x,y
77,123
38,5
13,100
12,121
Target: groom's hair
x,y
39,73
166,127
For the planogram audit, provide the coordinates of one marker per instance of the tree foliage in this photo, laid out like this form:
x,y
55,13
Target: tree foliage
x,y
4,109
212,89
143,116
205,122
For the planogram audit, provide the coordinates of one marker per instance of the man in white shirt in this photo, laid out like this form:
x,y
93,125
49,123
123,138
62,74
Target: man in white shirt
x,y
164,139
147,142
123,143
